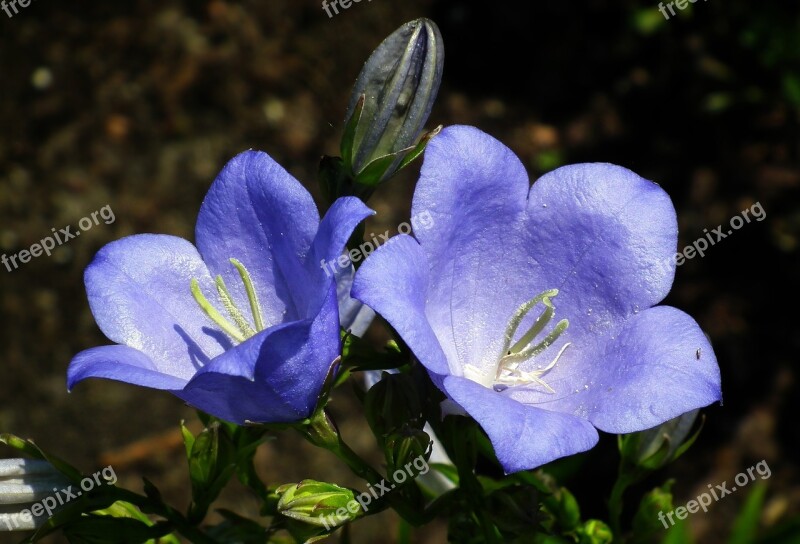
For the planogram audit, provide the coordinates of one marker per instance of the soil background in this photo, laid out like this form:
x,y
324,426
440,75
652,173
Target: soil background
x,y
137,105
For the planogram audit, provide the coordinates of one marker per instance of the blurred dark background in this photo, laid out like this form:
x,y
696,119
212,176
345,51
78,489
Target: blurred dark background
x,y
138,105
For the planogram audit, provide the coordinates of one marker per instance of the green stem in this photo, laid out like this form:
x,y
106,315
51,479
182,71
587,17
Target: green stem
x,y
322,433
615,503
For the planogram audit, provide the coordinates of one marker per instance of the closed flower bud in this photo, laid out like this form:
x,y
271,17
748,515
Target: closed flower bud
x,y
392,404
25,483
391,101
315,503
653,448
406,448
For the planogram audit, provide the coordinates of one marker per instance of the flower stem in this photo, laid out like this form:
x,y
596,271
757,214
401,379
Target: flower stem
x,y
615,503
322,432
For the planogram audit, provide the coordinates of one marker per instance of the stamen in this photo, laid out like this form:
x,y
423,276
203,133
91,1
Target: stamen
x,y
255,308
233,311
242,330
508,373
533,351
213,314
538,325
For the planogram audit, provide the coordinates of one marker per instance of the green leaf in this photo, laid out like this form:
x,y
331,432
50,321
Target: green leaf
x,y
448,471
32,450
248,443
515,509
375,172
678,534
745,527
151,491
99,499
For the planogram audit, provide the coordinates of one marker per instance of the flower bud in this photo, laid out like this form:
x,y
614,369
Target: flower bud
x,y
594,532
317,503
25,483
391,101
653,448
392,404
408,447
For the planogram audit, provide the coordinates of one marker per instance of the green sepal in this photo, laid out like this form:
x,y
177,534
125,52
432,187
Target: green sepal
x,y
30,449
376,171
349,136
334,179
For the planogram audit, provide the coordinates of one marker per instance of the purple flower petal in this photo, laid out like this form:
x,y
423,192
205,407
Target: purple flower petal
x,y
394,281
599,234
648,373
258,213
354,316
275,376
474,189
523,436
120,363
604,237
139,293
334,231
